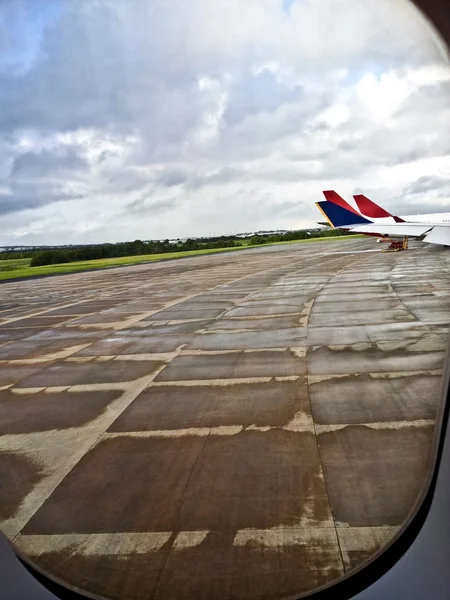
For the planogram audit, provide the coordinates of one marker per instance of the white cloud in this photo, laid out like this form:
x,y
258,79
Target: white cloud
x,y
213,102
334,115
385,95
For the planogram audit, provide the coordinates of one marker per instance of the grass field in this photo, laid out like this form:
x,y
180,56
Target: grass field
x,y
13,264
19,268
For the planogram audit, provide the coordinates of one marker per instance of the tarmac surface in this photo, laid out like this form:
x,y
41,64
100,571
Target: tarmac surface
x,y
241,425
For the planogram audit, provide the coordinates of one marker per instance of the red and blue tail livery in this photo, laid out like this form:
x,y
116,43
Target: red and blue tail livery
x,y
340,217
334,197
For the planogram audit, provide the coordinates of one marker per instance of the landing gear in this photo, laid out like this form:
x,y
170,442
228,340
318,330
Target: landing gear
x,y
396,246
405,243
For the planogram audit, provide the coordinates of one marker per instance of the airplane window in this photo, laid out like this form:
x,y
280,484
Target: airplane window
x,y
224,288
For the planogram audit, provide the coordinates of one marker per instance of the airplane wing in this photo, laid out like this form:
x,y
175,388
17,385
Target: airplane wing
x,y
432,234
394,229
439,234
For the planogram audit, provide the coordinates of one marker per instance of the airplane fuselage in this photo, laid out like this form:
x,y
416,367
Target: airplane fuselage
x,y
434,218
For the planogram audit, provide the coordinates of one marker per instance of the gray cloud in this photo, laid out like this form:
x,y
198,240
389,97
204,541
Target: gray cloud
x,y
46,162
126,180
24,197
428,183
143,206
171,177
252,94
403,206
223,175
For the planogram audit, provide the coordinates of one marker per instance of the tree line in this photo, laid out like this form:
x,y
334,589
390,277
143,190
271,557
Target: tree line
x,y
290,236
138,247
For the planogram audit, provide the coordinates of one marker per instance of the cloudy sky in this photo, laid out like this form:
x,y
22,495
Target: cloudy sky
x,y
169,118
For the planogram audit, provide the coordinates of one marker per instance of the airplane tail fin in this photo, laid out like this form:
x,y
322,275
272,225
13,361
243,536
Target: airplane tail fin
x,y
339,216
334,197
372,210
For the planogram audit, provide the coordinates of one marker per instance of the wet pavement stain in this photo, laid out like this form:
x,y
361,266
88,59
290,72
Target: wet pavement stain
x,y
370,359
215,567
397,461
260,404
107,576
364,398
235,364
18,476
281,338
192,483
13,374
69,373
358,544
27,413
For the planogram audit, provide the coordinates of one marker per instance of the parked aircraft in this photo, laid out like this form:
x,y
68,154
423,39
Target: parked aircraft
x,y
370,209
430,228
